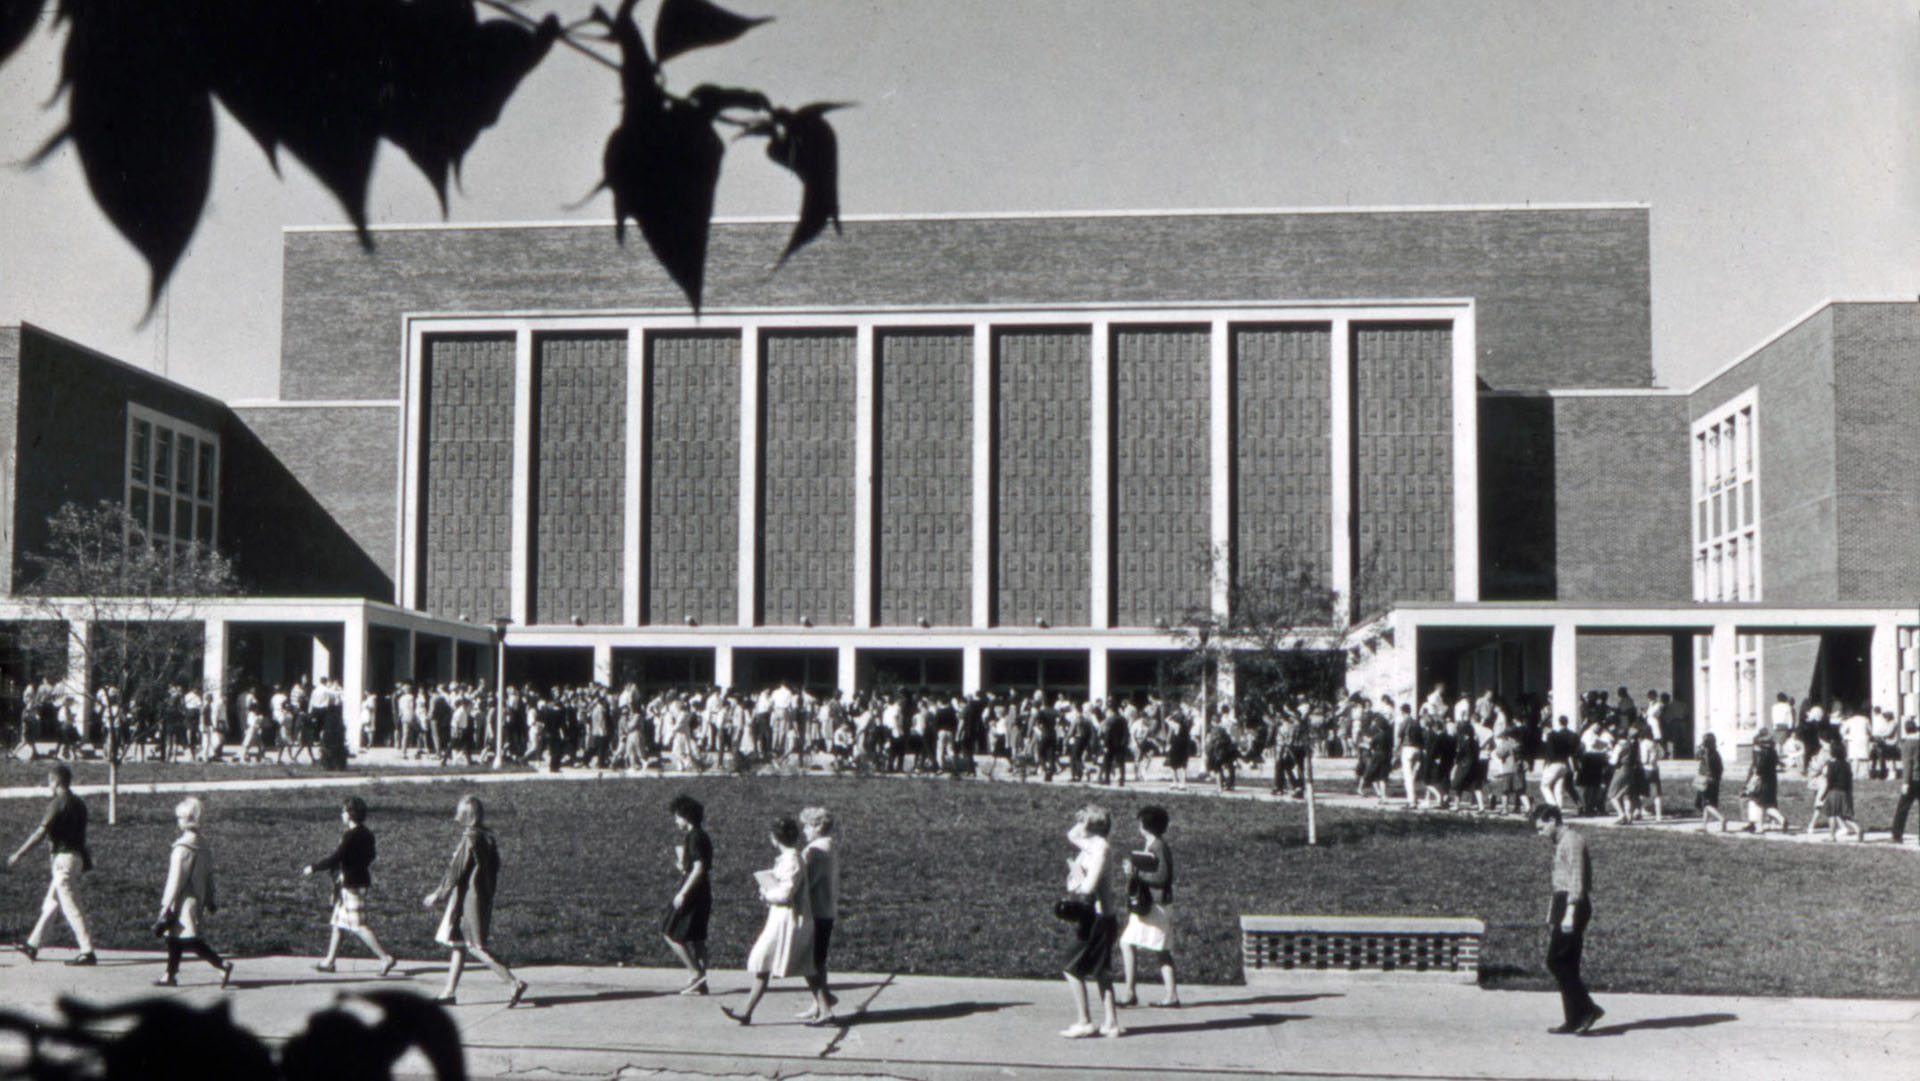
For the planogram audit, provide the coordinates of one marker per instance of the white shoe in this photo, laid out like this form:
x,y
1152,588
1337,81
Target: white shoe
x,y
1079,1031
1113,1033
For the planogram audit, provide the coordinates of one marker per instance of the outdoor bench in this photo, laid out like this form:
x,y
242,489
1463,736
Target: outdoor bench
x,y
1282,948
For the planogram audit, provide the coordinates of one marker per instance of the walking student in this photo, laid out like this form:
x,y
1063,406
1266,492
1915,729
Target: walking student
x,y
64,828
1149,906
1567,919
467,891
189,896
685,927
1090,881
351,865
785,945
822,864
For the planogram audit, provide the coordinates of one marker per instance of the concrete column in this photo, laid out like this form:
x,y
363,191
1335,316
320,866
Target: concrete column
x,y
1220,463
632,513
1883,658
846,668
1566,672
982,475
1466,462
213,657
520,537
403,669
602,663
1406,657
723,666
1100,516
749,576
322,662
1098,672
864,454
353,672
1723,698
970,668
1340,468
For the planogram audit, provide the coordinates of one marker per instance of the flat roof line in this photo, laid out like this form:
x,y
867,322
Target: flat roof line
x,y
1008,215
1789,328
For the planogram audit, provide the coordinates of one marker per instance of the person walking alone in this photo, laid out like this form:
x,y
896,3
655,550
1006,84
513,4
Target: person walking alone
x,y
188,896
351,864
467,891
64,828
1567,919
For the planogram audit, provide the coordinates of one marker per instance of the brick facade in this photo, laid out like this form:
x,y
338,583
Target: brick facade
x,y
467,482
1562,295
1161,470
1042,477
579,481
1282,439
923,536
1877,451
1403,464
1621,499
692,478
806,498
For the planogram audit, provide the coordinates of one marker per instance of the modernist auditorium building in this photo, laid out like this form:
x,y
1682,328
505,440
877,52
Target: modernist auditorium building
x,y
1018,451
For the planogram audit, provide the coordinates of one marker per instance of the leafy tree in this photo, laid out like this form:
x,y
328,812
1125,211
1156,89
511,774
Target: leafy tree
x,y
131,605
1284,635
327,80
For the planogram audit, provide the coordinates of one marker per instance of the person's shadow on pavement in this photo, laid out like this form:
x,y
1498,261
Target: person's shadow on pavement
x,y
1696,1020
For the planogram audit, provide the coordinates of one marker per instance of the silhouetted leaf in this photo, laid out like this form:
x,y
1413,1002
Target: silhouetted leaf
x,y
17,20
312,76
714,100
412,1021
170,1039
684,25
662,163
141,122
452,76
803,141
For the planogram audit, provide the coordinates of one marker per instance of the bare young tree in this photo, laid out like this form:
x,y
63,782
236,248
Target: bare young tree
x,y
1284,635
132,605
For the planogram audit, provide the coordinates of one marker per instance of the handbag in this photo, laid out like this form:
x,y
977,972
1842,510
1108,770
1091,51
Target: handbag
x,y
1073,909
1139,897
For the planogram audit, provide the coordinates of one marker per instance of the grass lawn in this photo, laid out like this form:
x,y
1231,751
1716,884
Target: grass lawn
x,y
93,771
954,878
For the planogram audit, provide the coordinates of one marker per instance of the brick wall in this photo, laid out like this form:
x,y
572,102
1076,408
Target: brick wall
x,y
467,487
579,486
693,478
1795,409
1562,294
1621,503
1282,479
1876,356
1161,467
1403,465
328,531
923,539
70,437
9,426
806,566
1042,477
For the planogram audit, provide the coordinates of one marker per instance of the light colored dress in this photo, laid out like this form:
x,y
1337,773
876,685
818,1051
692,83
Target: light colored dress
x,y
189,888
785,945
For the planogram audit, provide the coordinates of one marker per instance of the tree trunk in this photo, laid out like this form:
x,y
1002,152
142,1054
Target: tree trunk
x,y
1306,775
113,791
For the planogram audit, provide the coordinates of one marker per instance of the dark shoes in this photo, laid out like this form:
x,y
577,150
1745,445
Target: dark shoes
x,y
82,960
226,973
32,951
1581,1026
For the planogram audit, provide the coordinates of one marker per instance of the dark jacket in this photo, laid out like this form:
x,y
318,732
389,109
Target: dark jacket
x,y
353,859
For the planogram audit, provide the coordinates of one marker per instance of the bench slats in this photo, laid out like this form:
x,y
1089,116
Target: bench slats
x,y
1360,947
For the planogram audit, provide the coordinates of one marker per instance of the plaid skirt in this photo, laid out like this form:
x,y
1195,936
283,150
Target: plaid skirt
x,y
350,908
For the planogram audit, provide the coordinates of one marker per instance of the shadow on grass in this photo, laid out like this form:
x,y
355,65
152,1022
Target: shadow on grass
x,y
942,1011
1260,1000
1252,1020
1695,1020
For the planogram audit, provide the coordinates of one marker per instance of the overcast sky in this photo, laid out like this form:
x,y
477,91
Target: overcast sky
x,y
1774,140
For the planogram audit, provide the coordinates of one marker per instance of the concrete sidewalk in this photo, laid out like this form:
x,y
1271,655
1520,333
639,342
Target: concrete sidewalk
x,y
629,1022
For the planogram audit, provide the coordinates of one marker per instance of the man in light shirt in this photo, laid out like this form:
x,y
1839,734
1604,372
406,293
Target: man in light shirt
x,y
1567,919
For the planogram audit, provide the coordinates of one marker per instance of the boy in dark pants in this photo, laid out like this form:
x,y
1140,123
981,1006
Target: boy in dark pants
x,y
1567,919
